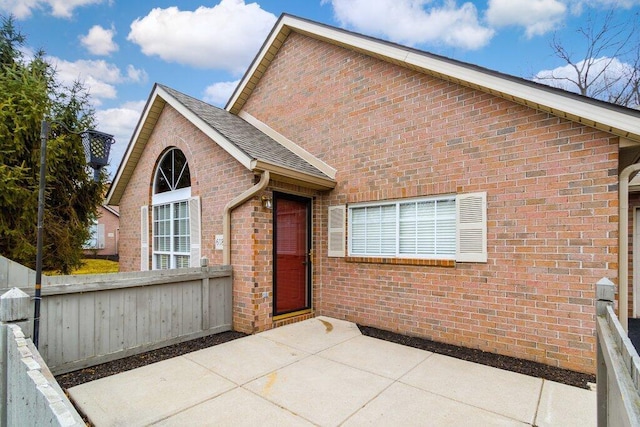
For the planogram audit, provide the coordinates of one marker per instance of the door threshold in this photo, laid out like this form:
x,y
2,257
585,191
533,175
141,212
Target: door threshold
x,y
292,314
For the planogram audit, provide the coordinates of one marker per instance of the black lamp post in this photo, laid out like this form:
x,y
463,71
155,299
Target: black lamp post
x,y
96,149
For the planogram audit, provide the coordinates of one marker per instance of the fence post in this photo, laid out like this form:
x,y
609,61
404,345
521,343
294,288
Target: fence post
x,y
204,294
605,296
14,309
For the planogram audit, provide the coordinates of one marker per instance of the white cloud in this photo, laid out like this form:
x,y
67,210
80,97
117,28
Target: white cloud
x,y
536,16
99,41
19,8
99,77
27,52
136,75
539,17
220,92
617,4
409,22
602,72
22,9
120,122
226,36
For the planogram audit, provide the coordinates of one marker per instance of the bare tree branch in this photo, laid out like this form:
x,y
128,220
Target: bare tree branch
x,y
608,67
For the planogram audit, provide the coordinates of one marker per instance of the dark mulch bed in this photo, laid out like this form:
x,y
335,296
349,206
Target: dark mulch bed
x,y
75,378
513,364
634,332
526,367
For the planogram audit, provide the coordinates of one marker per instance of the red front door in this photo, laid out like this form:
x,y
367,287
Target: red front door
x,y
292,266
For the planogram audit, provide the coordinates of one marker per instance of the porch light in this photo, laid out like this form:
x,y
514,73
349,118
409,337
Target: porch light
x,y
96,148
267,202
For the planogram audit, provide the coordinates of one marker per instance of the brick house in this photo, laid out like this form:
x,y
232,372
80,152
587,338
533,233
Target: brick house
x,y
368,181
104,233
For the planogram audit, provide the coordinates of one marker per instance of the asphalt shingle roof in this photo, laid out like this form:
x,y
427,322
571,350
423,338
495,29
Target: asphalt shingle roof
x,y
250,140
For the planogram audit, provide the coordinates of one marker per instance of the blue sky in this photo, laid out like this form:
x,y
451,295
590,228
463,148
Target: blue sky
x,y
120,48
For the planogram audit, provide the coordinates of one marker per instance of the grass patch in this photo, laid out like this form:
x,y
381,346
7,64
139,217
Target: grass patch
x,y
92,266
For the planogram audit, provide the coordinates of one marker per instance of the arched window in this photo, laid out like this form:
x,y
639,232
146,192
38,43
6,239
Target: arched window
x,y
172,222
172,173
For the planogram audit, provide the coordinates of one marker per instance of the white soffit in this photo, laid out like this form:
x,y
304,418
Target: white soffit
x,y
591,113
626,142
260,63
138,141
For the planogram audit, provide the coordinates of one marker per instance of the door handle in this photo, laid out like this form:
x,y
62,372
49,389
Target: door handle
x,y
308,258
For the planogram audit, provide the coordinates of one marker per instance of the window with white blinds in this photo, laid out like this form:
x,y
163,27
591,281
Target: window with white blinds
x,y
418,228
175,215
171,235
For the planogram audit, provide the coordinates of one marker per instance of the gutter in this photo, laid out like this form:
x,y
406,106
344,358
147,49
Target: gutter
x,y
234,203
623,244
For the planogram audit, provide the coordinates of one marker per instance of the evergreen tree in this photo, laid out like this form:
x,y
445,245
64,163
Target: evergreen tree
x,y
29,94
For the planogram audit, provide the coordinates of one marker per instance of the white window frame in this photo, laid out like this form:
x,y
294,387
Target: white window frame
x,y
96,238
92,241
397,233
470,228
170,199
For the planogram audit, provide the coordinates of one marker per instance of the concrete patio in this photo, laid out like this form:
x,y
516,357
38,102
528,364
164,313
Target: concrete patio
x,y
324,372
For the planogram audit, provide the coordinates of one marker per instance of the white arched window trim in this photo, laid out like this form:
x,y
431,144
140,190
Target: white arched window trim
x,y
171,196
174,229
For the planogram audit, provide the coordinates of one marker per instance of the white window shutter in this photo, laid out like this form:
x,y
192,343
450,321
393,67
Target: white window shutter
x,y
471,227
100,237
144,238
194,232
336,235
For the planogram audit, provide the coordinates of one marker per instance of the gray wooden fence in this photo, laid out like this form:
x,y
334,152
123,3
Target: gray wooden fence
x,y
16,275
86,320
618,372
29,394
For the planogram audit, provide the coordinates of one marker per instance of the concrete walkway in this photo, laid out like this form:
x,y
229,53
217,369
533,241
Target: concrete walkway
x,y
324,372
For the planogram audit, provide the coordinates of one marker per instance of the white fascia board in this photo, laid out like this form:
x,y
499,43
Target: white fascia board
x,y
111,210
255,64
554,101
545,99
290,145
315,181
315,31
349,39
216,136
572,108
133,142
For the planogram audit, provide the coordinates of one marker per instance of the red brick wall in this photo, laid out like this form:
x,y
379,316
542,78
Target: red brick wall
x,y
394,133
217,178
253,240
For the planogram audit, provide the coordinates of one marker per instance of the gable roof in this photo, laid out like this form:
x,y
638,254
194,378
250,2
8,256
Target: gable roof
x,y
618,120
253,148
248,139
